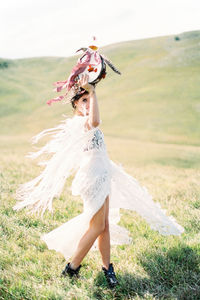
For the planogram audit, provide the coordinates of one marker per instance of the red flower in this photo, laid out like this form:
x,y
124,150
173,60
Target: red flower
x,y
90,69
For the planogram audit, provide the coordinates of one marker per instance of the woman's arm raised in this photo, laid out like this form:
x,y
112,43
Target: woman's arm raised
x,y
94,116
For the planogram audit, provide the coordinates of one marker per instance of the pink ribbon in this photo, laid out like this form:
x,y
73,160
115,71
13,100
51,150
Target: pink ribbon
x,y
77,69
55,100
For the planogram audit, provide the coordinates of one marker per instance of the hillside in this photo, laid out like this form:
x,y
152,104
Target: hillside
x,y
156,99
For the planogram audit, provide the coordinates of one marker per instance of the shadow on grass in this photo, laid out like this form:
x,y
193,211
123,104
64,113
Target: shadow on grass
x,y
174,274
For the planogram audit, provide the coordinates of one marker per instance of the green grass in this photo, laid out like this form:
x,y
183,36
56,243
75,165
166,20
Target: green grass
x,y
150,119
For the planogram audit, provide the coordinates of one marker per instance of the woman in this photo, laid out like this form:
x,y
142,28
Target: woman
x,y
79,149
99,224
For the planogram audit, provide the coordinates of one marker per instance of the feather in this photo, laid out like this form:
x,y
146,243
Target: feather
x,y
82,49
110,64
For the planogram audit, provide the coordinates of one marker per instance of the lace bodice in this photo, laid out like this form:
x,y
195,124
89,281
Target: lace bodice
x,y
96,142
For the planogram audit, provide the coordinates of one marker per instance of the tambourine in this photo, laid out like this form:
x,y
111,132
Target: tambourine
x,y
91,63
96,70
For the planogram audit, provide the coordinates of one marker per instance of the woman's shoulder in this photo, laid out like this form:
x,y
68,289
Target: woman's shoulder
x,y
85,121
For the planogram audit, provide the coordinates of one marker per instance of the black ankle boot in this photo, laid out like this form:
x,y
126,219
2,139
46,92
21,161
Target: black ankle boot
x,y
110,276
71,272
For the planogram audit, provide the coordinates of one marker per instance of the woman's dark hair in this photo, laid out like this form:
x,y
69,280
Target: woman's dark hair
x,y
78,96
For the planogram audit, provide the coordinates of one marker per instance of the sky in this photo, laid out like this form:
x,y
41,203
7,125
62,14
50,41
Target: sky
x,y
32,28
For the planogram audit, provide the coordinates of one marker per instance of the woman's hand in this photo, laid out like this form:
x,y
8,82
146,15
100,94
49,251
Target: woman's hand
x,y
83,82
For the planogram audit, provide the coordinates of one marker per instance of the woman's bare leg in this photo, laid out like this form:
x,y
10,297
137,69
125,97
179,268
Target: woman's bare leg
x,y
97,225
104,239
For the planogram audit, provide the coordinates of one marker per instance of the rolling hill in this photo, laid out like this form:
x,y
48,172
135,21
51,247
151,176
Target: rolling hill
x,y
155,99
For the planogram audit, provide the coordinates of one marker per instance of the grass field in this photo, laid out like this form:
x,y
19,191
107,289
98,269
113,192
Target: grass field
x,y
150,119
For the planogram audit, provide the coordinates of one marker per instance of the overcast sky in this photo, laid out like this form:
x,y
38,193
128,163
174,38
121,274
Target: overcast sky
x,y
30,28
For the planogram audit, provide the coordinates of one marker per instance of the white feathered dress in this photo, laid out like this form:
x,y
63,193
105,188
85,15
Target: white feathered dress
x,y
81,152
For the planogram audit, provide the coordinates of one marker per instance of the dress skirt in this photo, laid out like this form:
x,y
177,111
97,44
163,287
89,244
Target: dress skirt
x,y
93,183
